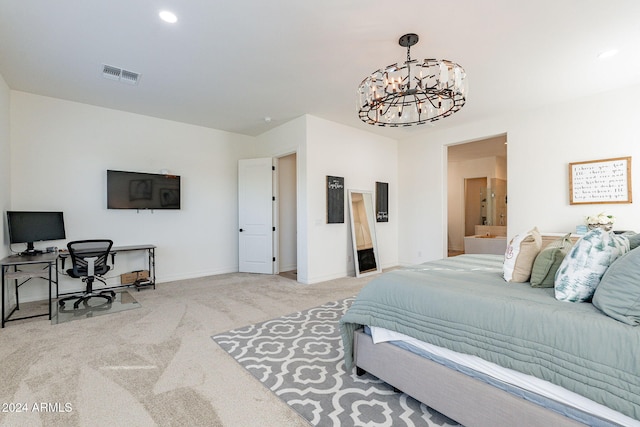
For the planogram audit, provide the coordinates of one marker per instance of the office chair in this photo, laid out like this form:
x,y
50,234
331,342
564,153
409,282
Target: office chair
x,y
89,259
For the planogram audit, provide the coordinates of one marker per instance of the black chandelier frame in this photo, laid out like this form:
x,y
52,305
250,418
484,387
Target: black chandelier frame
x,y
395,96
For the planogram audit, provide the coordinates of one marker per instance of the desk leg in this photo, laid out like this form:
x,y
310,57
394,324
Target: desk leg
x,y
15,283
50,284
3,294
57,279
152,265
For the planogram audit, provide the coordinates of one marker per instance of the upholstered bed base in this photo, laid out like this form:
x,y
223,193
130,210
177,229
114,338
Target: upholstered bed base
x,y
466,400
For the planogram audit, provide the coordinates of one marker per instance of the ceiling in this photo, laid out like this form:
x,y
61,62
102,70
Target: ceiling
x,y
229,64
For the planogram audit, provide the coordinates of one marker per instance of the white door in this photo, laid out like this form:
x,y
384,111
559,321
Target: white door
x,y
255,215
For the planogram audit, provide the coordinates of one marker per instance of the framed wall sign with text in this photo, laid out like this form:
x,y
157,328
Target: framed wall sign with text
x,y
335,199
382,202
600,181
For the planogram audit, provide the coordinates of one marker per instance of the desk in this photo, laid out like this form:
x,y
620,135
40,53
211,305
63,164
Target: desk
x,y
11,271
151,263
151,260
49,271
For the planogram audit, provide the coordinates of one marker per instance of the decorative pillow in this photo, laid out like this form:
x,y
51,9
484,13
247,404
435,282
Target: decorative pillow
x,y
618,294
548,261
521,252
634,240
581,270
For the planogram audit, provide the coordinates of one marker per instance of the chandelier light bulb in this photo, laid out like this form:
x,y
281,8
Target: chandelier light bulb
x,y
438,84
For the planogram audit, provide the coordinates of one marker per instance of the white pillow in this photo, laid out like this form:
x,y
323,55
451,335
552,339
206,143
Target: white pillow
x,y
520,255
582,269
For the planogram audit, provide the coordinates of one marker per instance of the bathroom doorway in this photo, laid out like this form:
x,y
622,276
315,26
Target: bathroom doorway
x,y
476,170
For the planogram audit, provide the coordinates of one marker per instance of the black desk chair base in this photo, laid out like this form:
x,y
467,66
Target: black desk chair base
x,y
84,298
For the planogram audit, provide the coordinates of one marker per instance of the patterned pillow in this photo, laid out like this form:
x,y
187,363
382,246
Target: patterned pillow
x,y
580,272
548,261
520,255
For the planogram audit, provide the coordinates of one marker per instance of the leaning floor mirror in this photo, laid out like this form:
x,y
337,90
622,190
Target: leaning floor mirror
x,y
363,233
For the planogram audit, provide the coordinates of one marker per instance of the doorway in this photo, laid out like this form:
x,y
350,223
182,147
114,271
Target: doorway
x,y
287,213
475,164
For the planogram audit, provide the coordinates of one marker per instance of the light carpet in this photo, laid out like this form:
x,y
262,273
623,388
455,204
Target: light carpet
x,y
156,365
299,357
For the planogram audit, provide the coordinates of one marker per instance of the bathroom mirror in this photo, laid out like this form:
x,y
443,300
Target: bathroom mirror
x,y
363,233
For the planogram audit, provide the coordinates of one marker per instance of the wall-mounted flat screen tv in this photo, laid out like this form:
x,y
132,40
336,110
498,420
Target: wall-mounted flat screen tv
x,y
137,190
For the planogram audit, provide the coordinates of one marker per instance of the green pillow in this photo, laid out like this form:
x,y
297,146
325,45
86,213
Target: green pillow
x,y
618,294
548,261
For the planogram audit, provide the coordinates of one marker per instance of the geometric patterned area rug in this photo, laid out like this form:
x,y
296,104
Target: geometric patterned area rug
x,y
299,357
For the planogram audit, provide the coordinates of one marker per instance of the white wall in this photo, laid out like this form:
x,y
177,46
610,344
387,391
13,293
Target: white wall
x,y
362,158
288,138
5,162
61,151
541,144
326,148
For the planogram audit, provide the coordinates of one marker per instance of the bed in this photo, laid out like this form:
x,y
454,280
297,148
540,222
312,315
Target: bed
x,y
582,362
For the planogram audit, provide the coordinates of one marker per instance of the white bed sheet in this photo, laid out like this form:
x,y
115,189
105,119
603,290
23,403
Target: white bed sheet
x,y
509,376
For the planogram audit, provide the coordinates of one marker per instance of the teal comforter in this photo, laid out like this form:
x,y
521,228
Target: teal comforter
x,y
463,304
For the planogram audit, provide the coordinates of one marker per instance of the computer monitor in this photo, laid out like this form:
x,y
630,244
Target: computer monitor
x,y
30,227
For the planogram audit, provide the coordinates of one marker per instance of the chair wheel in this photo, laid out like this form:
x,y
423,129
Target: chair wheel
x,y
61,303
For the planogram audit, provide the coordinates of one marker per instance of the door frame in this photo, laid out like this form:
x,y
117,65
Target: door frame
x,y
277,210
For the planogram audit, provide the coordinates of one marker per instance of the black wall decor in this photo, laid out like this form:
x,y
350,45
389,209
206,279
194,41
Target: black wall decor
x,y
382,202
335,200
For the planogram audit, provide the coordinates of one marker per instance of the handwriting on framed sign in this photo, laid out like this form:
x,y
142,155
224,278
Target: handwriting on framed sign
x,y
600,181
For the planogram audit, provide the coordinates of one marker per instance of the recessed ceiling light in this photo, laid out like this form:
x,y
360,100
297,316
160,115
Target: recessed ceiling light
x,y
608,54
167,16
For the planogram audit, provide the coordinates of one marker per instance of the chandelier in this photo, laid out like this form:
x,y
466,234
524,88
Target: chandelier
x,y
413,93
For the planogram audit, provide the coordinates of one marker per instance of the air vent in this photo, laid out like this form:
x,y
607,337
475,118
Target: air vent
x,y
129,77
109,72
114,73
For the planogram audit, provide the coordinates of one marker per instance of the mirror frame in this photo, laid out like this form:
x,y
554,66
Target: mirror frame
x,y
371,221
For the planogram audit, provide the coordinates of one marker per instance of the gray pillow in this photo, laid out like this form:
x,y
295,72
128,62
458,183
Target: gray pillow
x,y
634,240
618,294
548,261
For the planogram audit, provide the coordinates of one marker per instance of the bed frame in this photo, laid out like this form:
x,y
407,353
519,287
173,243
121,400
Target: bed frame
x,y
466,400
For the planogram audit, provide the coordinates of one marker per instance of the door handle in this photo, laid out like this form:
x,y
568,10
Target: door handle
x,y
241,230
